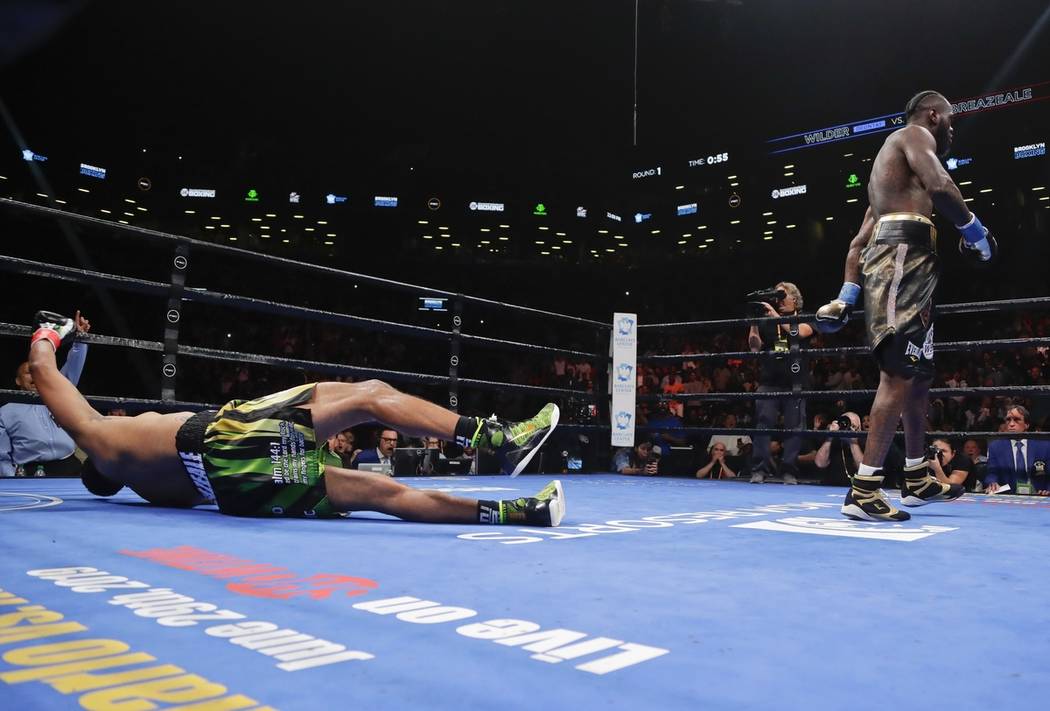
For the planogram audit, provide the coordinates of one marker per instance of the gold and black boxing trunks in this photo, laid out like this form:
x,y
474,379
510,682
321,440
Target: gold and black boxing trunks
x,y
258,457
900,275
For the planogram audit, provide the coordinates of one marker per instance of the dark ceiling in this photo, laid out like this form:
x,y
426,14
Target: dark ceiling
x,y
495,91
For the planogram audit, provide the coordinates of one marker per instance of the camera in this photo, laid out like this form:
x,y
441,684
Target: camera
x,y
844,423
757,300
933,452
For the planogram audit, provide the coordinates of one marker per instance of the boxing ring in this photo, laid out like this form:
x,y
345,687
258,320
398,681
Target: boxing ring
x,y
654,592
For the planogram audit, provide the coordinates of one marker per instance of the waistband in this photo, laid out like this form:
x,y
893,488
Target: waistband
x,y
189,441
906,228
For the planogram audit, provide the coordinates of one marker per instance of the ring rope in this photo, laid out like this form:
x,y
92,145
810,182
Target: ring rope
x,y
247,303
942,310
940,346
816,434
297,364
284,261
848,394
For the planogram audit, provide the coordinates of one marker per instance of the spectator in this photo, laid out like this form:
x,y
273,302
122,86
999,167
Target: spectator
x,y
30,441
972,449
332,450
381,454
716,467
1019,462
638,461
951,467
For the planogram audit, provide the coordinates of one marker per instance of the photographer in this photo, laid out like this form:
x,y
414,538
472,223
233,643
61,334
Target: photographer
x,y
784,299
839,457
949,467
643,460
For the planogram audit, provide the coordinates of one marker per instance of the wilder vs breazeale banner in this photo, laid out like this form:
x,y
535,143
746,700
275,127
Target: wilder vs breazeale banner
x,y
624,364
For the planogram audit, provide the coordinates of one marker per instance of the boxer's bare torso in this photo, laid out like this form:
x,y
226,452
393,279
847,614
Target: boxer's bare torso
x,y
140,453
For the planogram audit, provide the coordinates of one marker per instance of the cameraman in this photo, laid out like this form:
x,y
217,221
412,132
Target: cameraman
x,y
839,457
640,461
775,375
950,467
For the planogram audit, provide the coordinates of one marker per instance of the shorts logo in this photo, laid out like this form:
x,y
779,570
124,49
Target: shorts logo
x,y
914,352
194,465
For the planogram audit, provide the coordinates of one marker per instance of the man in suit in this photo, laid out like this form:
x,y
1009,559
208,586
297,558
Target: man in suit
x,y
1019,461
381,454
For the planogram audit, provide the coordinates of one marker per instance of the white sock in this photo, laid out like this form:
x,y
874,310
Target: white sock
x,y
865,470
910,462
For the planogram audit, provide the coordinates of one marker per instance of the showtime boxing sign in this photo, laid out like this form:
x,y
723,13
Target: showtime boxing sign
x,y
789,192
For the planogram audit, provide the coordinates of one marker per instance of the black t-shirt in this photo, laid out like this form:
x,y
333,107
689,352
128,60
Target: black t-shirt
x,y
961,461
776,372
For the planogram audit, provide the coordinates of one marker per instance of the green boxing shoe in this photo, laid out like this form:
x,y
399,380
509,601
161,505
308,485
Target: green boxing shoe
x,y
546,508
516,443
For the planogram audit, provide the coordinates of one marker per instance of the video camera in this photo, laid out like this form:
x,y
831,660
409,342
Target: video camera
x,y
757,300
845,424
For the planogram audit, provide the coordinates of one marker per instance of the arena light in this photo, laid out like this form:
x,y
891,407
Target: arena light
x,y
852,200
63,202
214,217
1045,197
484,241
233,239
768,232
123,222
506,227
734,185
129,214
43,195
687,235
603,232
701,246
967,199
617,236
540,241
701,227
310,229
789,174
190,212
679,187
965,182
681,241
546,253
543,227
1039,187
256,219
766,214
789,227
422,222
141,209
443,229
264,227
209,227
767,238
105,211
555,246
829,218
771,222
566,241
709,239
329,242
731,177
329,234
129,200
789,166
224,226
455,244
297,217
734,222
560,234
654,232
83,190
986,190
504,238
270,214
